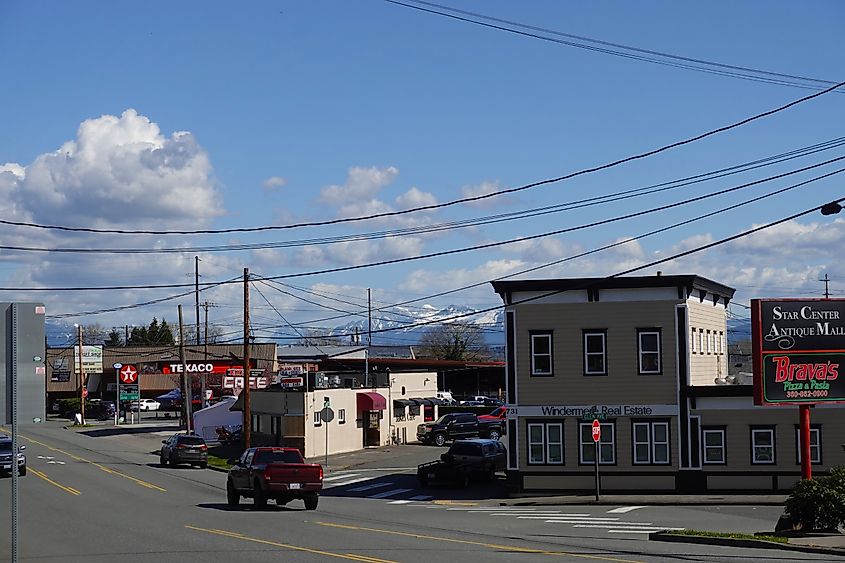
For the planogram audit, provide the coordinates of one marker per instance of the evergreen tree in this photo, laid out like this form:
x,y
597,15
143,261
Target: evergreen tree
x,y
114,339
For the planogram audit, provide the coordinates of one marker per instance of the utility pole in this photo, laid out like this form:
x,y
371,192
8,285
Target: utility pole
x,y
826,281
204,354
369,338
197,297
247,426
82,390
186,388
126,333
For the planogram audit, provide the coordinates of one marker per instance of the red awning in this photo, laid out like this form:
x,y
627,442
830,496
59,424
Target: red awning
x,y
371,402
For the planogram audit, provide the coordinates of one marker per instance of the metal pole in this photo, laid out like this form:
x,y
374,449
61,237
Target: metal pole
x,y
184,381
326,411
197,294
205,356
81,377
597,471
247,424
15,433
806,462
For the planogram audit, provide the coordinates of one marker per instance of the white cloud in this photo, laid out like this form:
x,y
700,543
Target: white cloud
x,y
361,183
274,182
482,189
415,197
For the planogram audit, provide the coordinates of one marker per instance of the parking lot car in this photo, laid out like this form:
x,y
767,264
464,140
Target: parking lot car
x,y
184,448
454,426
149,405
99,410
6,457
280,474
465,460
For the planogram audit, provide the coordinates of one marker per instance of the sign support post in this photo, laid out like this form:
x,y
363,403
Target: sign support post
x,y
806,462
596,439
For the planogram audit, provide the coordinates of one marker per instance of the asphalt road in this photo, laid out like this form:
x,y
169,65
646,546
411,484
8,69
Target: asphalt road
x,y
99,497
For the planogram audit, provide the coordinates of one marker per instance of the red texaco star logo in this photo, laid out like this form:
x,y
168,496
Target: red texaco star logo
x,y
128,375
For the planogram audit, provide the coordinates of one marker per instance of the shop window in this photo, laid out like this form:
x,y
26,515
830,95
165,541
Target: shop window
x,y
700,341
651,443
692,340
815,444
595,352
341,416
541,353
545,443
607,444
719,342
713,440
276,425
318,418
648,349
763,445
256,423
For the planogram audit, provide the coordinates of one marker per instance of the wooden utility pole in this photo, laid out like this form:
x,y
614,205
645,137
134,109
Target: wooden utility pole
x,y
205,355
247,425
197,297
183,378
82,389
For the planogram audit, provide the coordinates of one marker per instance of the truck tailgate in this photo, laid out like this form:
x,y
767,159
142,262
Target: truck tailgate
x,y
293,474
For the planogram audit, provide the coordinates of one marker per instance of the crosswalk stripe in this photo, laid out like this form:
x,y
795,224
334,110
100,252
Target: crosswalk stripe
x,y
368,487
350,482
618,525
343,476
637,531
400,502
422,497
567,516
624,509
394,492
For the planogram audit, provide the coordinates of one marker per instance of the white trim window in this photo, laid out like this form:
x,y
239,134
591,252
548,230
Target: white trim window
x,y
701,341
709,338
651,443
719,348
318,418
341,416
595,352
648,351
541,354
713,443
276,425
607,444
545,443
693,348
815,445
763,446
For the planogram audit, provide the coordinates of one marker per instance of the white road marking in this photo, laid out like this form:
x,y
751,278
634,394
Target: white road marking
x,y
343,476
639,531
422,497
391,493
368,487
624,509
400,502
619,525
567,516
58,462
350,482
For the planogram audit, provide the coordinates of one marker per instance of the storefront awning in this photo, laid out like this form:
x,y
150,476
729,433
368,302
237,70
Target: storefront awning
x,y
434,400
402,403
371,401
424,402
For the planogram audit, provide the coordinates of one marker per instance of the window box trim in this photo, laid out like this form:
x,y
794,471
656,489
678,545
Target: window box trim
x,y
594,332
651,330
724,447
532,334
604,424
754,430
649,424
813,427
544,425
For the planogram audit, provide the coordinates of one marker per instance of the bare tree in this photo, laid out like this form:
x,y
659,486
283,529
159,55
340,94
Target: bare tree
x,y
454,341
94,334
314,337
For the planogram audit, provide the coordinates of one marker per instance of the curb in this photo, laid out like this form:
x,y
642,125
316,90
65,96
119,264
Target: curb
x,y
747,543
646,502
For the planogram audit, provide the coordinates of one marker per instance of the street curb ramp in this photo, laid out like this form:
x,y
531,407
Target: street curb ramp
x,y
749,543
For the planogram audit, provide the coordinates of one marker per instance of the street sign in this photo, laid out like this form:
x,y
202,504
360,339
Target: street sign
x,y
128,375
129,396
596,430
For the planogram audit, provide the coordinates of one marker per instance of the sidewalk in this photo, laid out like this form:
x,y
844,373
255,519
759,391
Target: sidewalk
x,y
669,499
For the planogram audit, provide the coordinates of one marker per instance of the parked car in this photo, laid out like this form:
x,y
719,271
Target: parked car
x,y
465,460
148,405
499,413
454,426
446,397
184,448
99,410
6,456
274,473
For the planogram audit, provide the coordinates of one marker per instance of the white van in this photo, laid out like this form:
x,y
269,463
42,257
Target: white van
x,y
446,397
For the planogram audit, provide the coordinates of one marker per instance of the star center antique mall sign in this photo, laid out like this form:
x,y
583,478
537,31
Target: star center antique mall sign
x,y
799,350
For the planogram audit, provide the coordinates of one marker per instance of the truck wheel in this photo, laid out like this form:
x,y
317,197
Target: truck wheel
x,y
311,501
232,496
494,435
423,482
162,461
440,440
22,471
259,496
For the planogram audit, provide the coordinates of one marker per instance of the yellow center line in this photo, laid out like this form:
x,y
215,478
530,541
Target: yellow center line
x,y
454,503
238,536
478,543
100,466
70,490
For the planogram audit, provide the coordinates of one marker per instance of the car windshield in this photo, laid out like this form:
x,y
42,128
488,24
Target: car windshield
x,y
279,456
445,418
5,446
465,449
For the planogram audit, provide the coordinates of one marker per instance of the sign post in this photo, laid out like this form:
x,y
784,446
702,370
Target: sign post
x,y
327,415
596,439
799,346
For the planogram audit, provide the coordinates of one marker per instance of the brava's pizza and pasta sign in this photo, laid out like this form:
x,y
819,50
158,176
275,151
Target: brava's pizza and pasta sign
x,y
799,350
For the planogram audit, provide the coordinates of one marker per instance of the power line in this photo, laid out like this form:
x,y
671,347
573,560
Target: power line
x,y
635,53
568,176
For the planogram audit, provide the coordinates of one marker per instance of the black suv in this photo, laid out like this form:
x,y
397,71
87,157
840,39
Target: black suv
x,y
184,448
6,457
464,460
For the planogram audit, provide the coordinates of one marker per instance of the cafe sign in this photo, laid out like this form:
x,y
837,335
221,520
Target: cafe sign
x,y
799,350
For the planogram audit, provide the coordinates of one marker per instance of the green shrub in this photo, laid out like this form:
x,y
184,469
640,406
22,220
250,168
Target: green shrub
x,y
818,504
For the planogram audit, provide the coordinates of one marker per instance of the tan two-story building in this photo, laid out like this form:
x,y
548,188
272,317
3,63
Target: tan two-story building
x,y
647,357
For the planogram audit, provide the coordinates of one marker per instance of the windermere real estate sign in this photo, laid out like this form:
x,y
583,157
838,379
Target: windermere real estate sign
x,y
799,350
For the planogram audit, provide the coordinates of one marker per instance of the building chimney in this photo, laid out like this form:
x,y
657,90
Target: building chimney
x,y
659,273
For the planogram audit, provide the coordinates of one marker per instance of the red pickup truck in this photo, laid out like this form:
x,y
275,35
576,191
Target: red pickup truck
x,y
274,473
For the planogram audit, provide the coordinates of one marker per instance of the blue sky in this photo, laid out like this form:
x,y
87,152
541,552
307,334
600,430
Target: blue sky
x,y
268,113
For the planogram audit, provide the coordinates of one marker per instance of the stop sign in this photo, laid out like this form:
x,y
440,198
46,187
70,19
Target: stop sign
x,y
596,430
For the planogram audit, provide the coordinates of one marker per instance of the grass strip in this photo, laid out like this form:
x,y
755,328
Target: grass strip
x,y
706,534
220,462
